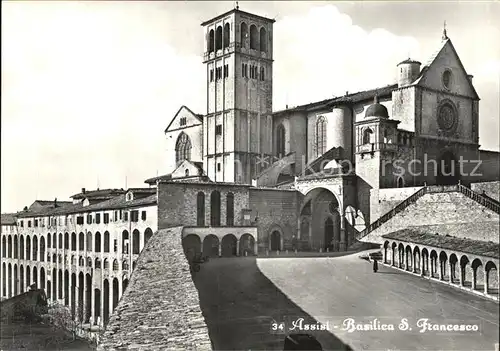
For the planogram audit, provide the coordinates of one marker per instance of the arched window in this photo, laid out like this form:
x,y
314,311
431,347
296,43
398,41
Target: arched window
x,y
81,241
54,241
226,35
97,263
263,41
182,148
401,182
367,136
89,241
218,38
253,37
262,76
215,208
49,240
243,34
16,247
115,265
66,241
230,209
97,242
186,172
200,209
135,242
73,241
106,241
106,263
60,238
280,141
211,39
320,136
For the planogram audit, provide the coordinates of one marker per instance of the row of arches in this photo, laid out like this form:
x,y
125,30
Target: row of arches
x,y
215,209
212,246
453,267
252,37
33,248
89,300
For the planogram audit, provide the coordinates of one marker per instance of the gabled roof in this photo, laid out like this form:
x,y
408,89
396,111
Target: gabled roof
x,y
198,116
432,59
383,92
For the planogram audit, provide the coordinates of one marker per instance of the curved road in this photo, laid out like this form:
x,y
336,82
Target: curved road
x,y
241,297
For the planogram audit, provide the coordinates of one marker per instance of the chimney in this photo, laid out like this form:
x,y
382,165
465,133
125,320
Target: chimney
x,y
83,190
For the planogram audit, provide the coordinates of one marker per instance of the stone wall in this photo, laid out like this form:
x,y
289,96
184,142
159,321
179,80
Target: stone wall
x,y
454,213
491,189
160,307
385,200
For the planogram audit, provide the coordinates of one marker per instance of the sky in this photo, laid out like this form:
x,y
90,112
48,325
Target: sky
x,y
88,88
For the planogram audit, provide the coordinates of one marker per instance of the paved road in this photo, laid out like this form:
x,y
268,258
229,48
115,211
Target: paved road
x,y
241,297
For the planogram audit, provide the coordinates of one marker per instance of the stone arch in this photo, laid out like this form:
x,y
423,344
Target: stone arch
x,y
60,242
218,38
28,248
247,245
66,241
200,209
434,263
226,36
106,263
97,263
254,37
491,278
408,258
125,242
276,239
230,209
34,256
417,265
116,265
148,233
229,245
106,241
106,301
211,246
81,241
191,244
243,34
124,285
97,242
386,249
21,247
4,246
215,210
263,40
211,41
54,241
367,136
125,265
280,140
136,242
395,256
16,247
182,148
42,248
454,269
466,274
73,241
478,275
401,255
443,260
89,242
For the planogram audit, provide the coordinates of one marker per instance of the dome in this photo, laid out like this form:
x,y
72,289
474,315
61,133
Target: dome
x,y
377,110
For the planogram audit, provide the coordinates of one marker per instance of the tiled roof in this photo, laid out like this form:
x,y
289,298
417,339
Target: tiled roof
x,y
115,203
98,193
168,316
422,236
8,219
159,178
48,202
341,100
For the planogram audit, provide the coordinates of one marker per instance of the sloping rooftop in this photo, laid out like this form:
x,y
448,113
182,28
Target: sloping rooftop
x,y
423,236
99,193
383,92
8,219
49,203
168,316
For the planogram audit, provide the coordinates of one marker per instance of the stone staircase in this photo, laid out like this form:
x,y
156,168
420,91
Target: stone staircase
x,y
482,200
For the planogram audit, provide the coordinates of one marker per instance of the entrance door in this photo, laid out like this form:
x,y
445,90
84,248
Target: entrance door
x,y
448,171
275,241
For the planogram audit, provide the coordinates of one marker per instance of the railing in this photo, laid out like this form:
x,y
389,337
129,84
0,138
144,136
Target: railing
x,y
486,202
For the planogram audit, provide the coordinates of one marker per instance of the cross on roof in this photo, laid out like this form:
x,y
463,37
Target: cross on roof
x,y
445,36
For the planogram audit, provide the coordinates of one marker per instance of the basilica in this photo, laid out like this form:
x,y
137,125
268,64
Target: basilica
x,y
346,156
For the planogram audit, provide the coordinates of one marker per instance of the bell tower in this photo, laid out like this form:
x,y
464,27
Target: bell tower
x,y
237,127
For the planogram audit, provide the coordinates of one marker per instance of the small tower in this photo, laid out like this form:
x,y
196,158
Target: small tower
x,y
408,71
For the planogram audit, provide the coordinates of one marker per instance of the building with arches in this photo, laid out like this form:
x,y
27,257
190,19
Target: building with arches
x,y
82,252
348,158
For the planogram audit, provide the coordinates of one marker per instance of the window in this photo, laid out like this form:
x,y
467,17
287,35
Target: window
x,y
183,121
215,208
89,219
21,223
115,245
106,218
116,216
320,136
121,214
98,218
79,220
230,209
36,223
218,167
29,224
134,216
262,78
244,70
218,129
280,141
367,136
211,75
106,241
143,215
226,71
125,216
182,148
186,172
218,73
200,209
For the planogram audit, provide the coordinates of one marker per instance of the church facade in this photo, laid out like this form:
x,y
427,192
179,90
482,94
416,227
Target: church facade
x,y
342,155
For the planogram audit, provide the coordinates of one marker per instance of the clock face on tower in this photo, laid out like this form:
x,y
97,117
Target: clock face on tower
x,y
447,118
